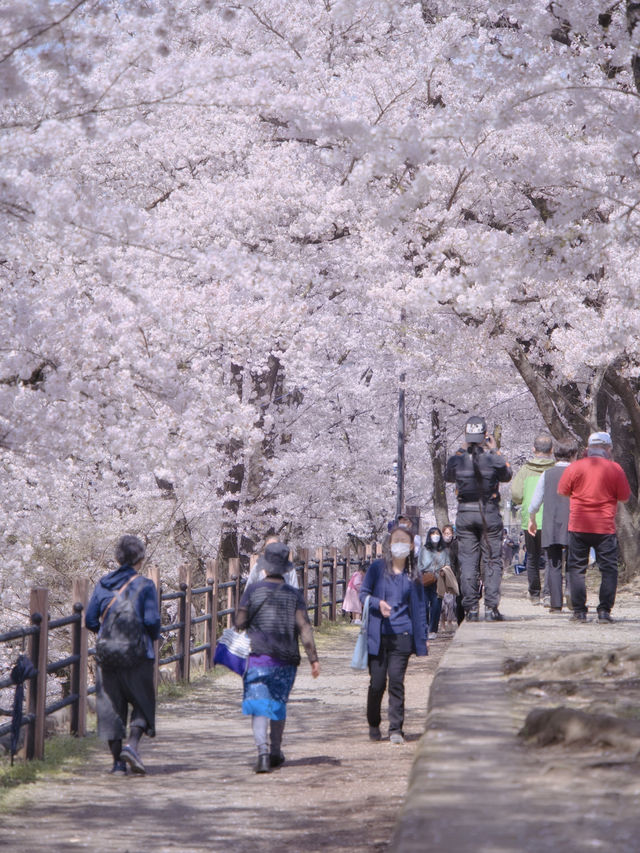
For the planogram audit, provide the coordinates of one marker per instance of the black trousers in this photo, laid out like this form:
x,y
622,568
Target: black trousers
x,y
606,547
533,544
390,663
474,542
116,689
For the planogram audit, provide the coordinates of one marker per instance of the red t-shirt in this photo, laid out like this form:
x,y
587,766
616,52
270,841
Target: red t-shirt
x,y
594,486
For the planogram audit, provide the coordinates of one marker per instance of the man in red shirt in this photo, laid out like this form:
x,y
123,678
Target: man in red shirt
x,y
594,485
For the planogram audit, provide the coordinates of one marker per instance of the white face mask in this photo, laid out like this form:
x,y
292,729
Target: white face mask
x,y
447,538
435,539
400,550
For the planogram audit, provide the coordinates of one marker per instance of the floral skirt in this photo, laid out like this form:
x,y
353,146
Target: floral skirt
x,y
266,690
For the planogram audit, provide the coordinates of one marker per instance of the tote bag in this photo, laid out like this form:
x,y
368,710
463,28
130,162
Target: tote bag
x,y
232,650
360,657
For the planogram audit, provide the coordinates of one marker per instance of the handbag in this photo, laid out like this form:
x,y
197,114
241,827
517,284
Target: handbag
x,y
232,650
360,658
428,578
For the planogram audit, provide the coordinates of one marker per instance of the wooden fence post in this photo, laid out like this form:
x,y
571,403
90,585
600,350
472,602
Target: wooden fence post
x,y
210,609
333,605
304,556
319,588
215,569
232,591
153,572
183,664
39,653
79,670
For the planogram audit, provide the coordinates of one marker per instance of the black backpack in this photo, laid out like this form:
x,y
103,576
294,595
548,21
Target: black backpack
x,y
121,639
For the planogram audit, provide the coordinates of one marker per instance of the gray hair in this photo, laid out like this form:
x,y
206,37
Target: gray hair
x,y
130,550
543,443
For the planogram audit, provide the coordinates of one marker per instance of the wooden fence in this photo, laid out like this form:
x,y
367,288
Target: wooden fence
x,y
200,615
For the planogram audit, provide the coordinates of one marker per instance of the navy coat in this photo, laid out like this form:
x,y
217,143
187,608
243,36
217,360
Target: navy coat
x,y
146,602
373,585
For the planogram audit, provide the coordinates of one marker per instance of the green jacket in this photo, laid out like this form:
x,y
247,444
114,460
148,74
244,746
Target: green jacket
x,y
524,483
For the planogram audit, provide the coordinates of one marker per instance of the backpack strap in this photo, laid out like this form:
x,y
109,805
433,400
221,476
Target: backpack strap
x,y
117,593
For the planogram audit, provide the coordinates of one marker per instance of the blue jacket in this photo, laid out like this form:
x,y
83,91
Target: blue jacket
x,y
146,601
373,585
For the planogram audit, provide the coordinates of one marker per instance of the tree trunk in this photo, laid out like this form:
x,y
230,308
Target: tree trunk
x,y
437,451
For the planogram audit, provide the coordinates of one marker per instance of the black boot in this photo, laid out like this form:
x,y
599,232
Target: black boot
x,y
264,764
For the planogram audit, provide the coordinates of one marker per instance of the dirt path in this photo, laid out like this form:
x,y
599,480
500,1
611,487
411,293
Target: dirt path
x,y
336,791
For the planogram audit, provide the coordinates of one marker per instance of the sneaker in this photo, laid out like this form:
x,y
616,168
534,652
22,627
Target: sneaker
x,y
546,601
433,635
119,769
534,598
579,616
276,760
555,610
492,614
472,615
132,758
604,617
396,737
374,733
357,622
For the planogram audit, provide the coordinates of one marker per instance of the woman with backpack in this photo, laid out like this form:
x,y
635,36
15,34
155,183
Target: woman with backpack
x,y
123,610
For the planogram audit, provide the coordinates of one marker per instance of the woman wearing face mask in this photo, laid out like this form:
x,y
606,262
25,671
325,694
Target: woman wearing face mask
x,y
396,628
433,557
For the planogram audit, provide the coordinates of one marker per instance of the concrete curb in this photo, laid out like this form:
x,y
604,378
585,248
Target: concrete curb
x,y
475,787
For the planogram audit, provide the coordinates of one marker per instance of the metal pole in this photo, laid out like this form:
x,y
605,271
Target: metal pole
x,y
400,492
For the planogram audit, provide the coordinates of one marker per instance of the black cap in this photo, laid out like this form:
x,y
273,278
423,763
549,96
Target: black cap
x,y
475,430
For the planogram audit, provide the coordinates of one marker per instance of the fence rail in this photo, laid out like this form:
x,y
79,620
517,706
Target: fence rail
x,y
201,614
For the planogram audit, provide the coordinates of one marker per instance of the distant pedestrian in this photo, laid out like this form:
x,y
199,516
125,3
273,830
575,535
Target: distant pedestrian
x,y
451,544
433,558
396,628
522,488
124,611
352,604
477,469
555,533
508,550
275,617
594,485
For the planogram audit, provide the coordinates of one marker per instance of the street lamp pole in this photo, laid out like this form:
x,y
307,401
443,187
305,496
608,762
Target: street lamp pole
x,y
400,466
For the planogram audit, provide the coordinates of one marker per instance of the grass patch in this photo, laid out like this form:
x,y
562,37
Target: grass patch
x,y
62,752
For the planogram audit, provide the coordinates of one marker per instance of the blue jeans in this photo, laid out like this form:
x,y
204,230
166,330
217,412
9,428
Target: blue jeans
x,y
432,607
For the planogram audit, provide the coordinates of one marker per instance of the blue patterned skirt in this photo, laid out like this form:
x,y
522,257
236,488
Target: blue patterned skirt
x,y
266,690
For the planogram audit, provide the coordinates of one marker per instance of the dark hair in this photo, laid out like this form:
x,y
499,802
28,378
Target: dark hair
x,y
428,544
130,550
543,443
565,449
411,565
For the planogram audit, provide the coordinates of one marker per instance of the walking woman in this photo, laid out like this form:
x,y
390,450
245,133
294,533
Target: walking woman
x,y
275,616
433,558
396,628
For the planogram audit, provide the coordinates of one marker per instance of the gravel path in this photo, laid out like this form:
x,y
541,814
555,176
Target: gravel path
x,y
336,791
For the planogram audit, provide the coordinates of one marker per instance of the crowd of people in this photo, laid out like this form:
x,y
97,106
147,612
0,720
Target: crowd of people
x,y
412,589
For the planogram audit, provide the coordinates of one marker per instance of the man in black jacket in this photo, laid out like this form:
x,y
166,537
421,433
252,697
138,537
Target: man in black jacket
x,y
477,469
